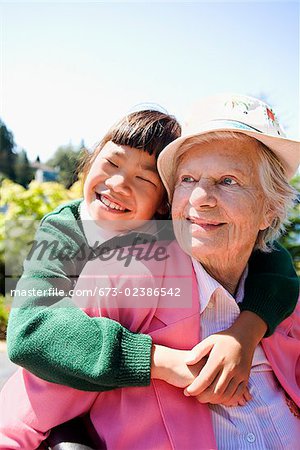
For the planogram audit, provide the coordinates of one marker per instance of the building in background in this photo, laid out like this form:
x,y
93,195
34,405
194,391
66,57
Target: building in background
x,y
44,173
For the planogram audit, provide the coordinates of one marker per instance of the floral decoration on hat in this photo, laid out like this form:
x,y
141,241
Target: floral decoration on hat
x,y
244,105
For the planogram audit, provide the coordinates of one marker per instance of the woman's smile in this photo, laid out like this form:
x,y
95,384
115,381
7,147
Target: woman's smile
x,y
198,224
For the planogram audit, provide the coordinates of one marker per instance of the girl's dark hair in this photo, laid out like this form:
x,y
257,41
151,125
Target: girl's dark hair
x,y
148,130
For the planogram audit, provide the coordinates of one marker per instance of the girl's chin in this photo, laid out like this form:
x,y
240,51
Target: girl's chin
x,y
120,222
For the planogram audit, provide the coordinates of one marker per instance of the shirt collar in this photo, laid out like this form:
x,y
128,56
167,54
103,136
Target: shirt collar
x,y
208,285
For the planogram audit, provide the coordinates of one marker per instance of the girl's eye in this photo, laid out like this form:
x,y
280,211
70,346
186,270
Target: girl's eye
x,y
187,179
110,162
228,181
145,179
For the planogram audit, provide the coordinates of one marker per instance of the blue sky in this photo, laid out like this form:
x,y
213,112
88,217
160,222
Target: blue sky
x,y
69,70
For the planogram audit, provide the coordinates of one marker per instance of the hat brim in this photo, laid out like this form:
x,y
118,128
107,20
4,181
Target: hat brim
x,y
287,151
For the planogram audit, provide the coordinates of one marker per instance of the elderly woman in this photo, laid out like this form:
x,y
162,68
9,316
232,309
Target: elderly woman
x,y
228,184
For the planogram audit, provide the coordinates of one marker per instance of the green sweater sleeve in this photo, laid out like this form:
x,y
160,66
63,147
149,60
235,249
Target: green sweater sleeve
x,y
272,287
57,341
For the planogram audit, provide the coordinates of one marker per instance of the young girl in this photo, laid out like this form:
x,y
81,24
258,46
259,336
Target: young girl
x,y
122,189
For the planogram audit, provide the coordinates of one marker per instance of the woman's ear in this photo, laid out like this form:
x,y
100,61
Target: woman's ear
x,y
268,217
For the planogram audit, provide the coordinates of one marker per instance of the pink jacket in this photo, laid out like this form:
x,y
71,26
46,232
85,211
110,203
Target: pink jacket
x,y
158,416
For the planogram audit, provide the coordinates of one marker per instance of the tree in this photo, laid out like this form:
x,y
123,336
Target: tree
x,y
66,158
291,238
7,154
23,172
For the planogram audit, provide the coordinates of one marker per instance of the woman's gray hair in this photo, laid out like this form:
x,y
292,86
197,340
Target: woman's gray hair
x,y
279,194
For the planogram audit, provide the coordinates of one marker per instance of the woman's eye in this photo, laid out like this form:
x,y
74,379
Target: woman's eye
x,y
187,179
228,181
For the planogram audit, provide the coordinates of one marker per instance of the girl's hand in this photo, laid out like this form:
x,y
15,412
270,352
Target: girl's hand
x,y
224,378
225,375
168,364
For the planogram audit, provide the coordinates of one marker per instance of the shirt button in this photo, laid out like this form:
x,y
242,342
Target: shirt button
x,y
210,305
250,437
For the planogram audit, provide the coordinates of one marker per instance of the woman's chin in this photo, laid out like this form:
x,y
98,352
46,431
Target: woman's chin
x,y
201,249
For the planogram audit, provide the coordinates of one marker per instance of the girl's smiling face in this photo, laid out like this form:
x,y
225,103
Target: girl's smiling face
x,y
123,185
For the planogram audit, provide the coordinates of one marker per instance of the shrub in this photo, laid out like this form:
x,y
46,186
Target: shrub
x,y
4,313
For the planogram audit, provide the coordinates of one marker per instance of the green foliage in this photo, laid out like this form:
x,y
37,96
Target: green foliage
x,y
291,239
4,313
66,158
13,165
34,202
24,208
7,154
23,172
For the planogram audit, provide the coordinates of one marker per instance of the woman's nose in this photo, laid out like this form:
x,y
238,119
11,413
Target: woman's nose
x,y
118,183
203,195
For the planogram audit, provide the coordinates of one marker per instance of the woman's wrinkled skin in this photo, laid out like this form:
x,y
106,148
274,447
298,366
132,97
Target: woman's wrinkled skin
x,y
219,206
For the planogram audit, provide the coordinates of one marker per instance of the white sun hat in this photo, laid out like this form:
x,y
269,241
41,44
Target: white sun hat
x,y
238,113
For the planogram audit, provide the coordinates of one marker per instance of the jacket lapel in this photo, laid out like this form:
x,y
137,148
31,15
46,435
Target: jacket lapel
x,y
180,326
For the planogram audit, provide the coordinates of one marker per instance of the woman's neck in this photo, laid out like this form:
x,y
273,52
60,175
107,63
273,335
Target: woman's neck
x,y
227,272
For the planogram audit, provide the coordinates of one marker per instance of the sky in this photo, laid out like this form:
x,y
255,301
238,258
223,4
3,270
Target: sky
x,y
70,70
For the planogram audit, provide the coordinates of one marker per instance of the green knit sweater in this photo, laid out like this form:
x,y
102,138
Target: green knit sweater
x,y
58,342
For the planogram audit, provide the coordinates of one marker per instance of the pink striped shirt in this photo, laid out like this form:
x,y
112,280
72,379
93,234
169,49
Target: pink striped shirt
x,y
265,422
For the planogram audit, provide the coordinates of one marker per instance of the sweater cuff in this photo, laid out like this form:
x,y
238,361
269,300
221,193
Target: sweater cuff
x,y
135,363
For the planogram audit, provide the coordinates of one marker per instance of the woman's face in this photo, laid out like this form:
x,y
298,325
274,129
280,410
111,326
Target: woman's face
x,y
123,188
218,205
